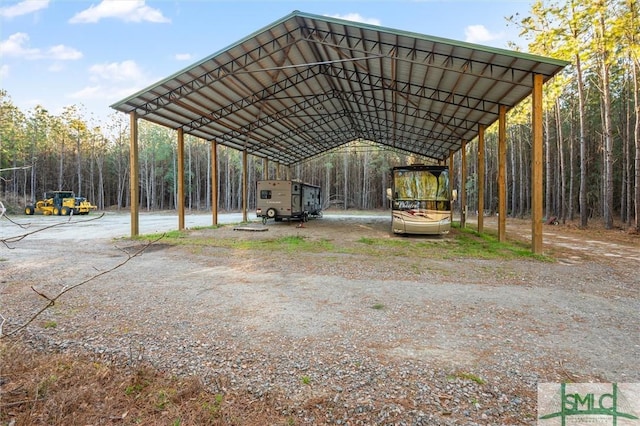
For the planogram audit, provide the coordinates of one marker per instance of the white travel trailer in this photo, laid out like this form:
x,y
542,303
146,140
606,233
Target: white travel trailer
x,y
287,199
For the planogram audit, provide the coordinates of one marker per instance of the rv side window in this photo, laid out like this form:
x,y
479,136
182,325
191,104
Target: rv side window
x,y
265,194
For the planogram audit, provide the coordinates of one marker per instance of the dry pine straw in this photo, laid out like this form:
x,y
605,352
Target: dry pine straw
x,y
61,389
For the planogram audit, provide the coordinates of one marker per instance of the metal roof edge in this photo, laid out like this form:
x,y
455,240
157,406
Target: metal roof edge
x,y
436,39
296,13
203,60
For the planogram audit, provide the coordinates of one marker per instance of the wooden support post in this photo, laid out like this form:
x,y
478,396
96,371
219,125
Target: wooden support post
x,y
481,129
265,173
245,185
451,154
214,183
277,171
536,165
134,178
180,201
463,185
502,166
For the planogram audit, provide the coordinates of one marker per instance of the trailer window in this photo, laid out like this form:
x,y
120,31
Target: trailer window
x,y
265,194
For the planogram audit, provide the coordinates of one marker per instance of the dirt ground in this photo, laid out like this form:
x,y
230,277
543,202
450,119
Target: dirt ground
x,y
362,328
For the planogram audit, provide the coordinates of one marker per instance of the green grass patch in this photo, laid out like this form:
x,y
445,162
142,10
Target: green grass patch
x,y
288,244
467,376
470,243
214,407
460,243
383,242
203,227
50,324
291,244
164,236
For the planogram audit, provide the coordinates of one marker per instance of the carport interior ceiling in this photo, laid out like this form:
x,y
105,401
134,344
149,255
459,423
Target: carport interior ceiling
x,y
308,84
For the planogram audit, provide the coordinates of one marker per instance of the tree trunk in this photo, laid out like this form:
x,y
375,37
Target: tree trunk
x,y
572,174
514,174
61,163
625,196
227,182
524,179
563,181
189,174
608,146
636,136
79,164
92,155
345,183
548,169
208,183
100,201
327,184
584,213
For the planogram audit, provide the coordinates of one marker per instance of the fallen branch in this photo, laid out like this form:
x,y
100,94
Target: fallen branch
x,y
52,300
4,210
26,401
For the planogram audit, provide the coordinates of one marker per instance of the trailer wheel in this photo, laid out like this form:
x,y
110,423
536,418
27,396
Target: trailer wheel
x,y
29,210
271,213
264,220
305,217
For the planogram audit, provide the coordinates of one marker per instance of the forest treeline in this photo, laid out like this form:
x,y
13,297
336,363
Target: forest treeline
x,y
591,140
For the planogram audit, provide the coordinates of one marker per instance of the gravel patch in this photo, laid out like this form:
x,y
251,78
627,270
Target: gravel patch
x,y
336,337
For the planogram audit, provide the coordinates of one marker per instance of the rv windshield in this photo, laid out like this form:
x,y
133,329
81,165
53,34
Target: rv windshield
x,y
421,185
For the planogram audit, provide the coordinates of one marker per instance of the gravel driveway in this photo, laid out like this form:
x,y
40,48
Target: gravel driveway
x,y
342,338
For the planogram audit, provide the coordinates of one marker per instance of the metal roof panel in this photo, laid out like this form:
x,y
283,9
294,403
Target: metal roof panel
x,y
307,84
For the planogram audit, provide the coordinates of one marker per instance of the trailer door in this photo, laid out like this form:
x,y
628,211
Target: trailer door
x,y
296,198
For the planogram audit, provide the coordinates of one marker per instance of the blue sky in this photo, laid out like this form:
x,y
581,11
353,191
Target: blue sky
x,y
94,53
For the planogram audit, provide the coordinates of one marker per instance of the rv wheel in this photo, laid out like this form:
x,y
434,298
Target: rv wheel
x,y
264,220
271,213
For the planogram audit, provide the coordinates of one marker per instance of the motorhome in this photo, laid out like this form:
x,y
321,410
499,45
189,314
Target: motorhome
x,y
287,199
420,199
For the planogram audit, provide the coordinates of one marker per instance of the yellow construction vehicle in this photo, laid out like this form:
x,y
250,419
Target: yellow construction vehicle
x,y
59,203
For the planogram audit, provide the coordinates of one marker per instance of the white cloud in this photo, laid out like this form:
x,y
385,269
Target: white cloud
x,y
23,8
480,34
4,71
63,53
356,17
17,45
117,71
183,57
128,11
104,93
91,92
113,81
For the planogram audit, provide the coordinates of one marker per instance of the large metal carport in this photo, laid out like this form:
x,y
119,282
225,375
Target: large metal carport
x,y
307,84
